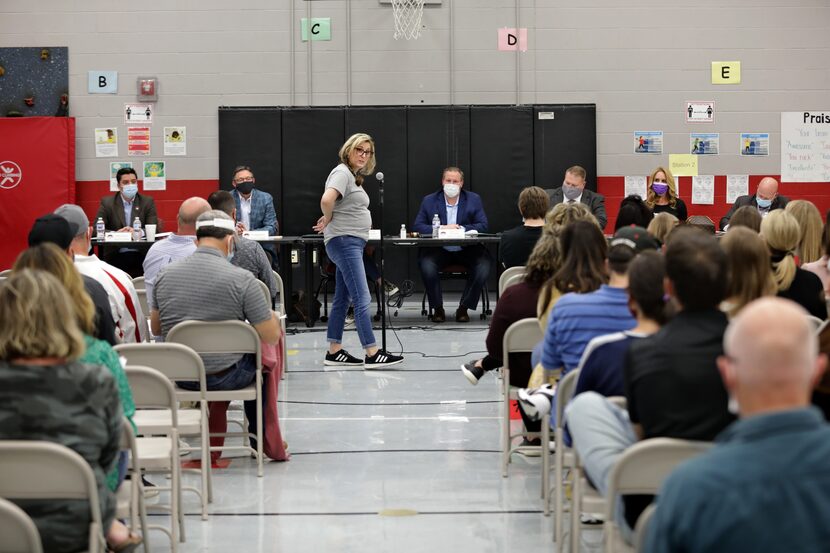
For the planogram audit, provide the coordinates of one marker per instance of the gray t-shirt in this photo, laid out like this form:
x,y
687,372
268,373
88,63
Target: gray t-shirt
x,y
350,216
205,287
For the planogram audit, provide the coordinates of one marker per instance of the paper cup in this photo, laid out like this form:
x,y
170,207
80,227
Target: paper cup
x,y
150,231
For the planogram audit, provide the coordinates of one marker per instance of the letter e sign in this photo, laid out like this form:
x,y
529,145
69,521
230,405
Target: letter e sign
x,y
726,72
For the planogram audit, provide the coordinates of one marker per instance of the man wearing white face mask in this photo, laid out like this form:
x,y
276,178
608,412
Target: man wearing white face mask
x,y
765,199
456,208
573,190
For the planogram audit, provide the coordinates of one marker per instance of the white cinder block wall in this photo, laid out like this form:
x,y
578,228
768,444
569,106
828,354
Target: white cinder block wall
x,y
638,60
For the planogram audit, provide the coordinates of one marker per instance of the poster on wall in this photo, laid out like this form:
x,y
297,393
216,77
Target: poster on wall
x,y
155,176
106,142
175,141
704,143
703,189
755,144
138,141
805,146
736,185
636,185
115,166
648,142
138,114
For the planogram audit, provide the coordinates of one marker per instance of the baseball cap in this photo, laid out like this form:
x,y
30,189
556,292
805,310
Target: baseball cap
x,y
75,215
52,228
636,238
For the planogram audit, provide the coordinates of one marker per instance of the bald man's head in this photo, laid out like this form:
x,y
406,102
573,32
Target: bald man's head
x,y
771,357
189,211
767,188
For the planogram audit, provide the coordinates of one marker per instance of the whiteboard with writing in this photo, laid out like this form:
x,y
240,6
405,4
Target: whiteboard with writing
x,y
805,146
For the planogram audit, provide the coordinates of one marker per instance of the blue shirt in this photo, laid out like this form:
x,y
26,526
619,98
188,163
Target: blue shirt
x,y
163,253
128,209
764,487
577,318
452,217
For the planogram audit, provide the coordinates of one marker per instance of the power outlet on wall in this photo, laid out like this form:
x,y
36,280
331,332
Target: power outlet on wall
x,y
295,257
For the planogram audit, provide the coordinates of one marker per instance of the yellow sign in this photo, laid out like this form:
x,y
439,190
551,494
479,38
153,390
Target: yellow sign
x,y
683,165
726,72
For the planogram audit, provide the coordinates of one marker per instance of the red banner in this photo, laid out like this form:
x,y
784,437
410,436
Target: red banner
x,y
37,174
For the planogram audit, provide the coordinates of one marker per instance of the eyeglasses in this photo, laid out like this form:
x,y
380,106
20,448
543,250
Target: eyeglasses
x,y
246,179
361,152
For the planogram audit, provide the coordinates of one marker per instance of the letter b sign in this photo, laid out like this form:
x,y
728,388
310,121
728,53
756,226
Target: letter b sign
x,y
103,82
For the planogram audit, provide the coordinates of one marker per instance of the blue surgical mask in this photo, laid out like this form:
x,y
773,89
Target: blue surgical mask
x,y
762,203
129,191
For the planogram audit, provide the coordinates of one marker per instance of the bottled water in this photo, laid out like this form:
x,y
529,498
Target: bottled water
x,y
436,224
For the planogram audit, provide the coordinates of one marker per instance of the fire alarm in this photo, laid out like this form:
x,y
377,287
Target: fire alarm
x,y
147,89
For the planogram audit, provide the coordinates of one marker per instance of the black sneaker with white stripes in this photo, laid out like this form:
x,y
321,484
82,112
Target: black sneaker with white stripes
x,y
342,358
381,359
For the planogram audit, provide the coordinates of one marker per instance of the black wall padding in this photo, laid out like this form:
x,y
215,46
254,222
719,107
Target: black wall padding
x,y
502,160
311,138
570,138
251,136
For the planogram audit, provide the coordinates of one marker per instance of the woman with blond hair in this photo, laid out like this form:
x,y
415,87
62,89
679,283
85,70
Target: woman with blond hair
x,y
781,232
749,273
809,221
661,226
662,195
821,267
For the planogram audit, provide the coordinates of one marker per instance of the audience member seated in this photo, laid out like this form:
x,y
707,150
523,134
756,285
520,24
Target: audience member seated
x,y
702,222
671,379
57,230
254,209
130,321
662,195
180,244
781,232
821,267
206,287
809,222
119,212
517,243
47,394
662,225
821,392
48,257
749,275
746,216
247,254
456,208
633,212
573,191
764,485
765,200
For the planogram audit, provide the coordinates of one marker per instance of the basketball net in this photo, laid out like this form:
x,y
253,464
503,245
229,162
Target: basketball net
x,y
408,15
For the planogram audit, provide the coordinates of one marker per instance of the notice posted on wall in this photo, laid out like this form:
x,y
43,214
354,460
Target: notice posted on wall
x,y
703,189
805,146
175,141
636,185
155,175
704,143
755,144
106,142
115,166
648,142
736,185
138,141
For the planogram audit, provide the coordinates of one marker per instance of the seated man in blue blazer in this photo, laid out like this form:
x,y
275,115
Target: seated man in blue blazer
x,y
456,208
254,209
573,190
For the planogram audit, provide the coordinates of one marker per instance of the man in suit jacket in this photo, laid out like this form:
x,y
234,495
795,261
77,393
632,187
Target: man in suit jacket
x,y
765,199
573,190
119,211
254,208
456,208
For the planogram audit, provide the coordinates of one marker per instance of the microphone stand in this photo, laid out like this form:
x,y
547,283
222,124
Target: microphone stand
x,y
379,176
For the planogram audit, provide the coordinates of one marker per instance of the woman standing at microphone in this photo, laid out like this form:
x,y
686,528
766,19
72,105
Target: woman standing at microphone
x,y
345,226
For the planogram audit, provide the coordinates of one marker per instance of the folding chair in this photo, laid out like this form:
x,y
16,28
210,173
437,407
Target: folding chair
x,y
152,390
515,279
520,337
46,470
280,305
816,322
141,291
641,469
178,363
130,494
507,274
19,532
212,337
641,528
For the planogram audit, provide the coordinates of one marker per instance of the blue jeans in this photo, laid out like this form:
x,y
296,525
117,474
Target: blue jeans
x,y
350,288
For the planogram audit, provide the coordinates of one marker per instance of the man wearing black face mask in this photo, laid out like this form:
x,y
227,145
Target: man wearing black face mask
x,y
254,208
573,190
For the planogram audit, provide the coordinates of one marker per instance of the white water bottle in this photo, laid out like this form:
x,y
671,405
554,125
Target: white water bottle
x,y
100,229
436,224
403,231
136,230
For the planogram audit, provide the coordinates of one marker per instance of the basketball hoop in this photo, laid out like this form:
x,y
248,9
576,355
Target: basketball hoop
x,y
408,15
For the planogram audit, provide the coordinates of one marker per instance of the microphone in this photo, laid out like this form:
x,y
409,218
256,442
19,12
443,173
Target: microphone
x,y
379,176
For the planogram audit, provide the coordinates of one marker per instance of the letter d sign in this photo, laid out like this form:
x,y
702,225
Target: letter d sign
x,y
103,82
